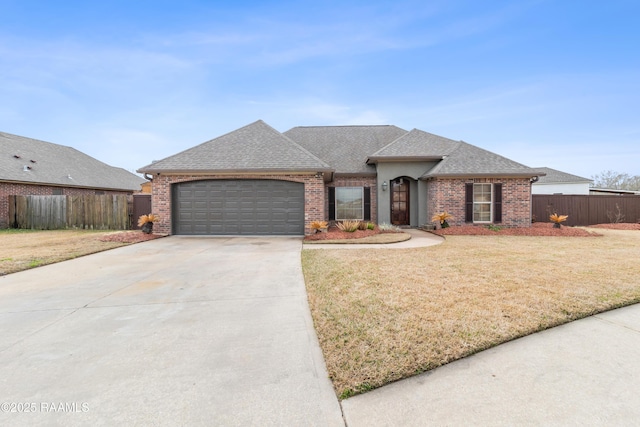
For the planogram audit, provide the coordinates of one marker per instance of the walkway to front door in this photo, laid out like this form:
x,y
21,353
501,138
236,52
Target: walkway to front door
x,y
400,201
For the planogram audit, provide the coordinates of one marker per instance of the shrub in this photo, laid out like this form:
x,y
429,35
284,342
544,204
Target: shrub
x,y
318,225
147,218
146,222
617,216
557,219
442,218
388,227
371,226
348,226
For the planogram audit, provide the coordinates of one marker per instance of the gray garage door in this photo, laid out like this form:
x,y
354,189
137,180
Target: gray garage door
x,y
250,207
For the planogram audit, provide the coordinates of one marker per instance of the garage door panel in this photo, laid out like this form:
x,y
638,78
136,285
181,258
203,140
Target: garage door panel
x,y
259,207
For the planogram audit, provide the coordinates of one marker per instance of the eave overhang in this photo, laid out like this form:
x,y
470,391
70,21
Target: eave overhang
x,y
327,174
50,184
399,159
483,175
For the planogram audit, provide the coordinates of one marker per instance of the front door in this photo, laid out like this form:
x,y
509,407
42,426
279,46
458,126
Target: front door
x,y
400,202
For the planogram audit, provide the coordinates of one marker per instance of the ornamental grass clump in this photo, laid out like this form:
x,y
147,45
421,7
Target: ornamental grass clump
x,y
363,226
146,222
442,218
557,219
348,226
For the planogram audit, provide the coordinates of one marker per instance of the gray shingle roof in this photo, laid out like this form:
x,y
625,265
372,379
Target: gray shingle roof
x,y
469,160
255,147
41,162
417,144
556,176
342,149
345,148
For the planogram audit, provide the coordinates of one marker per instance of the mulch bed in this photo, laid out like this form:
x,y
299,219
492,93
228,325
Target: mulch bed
x,y
536,229
334,233
619,226
130,237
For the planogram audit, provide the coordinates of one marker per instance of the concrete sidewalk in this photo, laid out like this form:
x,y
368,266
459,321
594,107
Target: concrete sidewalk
x,y
583,373
418,239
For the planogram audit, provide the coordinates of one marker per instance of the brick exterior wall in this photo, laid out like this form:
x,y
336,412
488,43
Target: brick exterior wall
x,y
449,195
314,208
13,189
443,195
357,181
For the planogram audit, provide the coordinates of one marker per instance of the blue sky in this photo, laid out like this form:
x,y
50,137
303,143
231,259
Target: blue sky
x,y
546,83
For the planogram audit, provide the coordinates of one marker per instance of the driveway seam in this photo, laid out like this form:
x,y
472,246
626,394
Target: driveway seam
x,y
40,330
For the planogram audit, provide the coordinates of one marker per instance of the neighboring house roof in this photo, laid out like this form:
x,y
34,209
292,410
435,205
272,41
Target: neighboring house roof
x,y
345,148
593,190
27,160
255,147
469,160
554,176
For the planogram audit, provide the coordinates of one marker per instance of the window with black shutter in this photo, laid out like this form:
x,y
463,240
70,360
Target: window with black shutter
x,y
497,202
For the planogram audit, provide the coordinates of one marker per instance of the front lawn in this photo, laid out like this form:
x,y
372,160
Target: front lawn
x,y
386,314
24,249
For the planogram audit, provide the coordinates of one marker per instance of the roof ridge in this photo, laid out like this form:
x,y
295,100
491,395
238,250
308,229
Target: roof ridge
x,y
199,145
263,141
9,135
413,131
343,126
300,147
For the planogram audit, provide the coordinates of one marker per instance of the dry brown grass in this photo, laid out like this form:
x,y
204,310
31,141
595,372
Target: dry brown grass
x,y
388,314
24,249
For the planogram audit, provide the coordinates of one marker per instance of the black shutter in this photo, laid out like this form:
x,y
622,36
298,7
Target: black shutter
x,y
468,217
367,204
332,203
497,202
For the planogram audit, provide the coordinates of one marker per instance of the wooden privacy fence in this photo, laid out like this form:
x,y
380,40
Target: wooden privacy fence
x,y
587,210
102,212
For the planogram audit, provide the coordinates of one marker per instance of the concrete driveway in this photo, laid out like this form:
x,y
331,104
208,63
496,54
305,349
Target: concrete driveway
x,y
175,331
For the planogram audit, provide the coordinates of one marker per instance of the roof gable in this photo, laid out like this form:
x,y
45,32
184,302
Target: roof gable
x,y
345,148
416,144
256,146
39,162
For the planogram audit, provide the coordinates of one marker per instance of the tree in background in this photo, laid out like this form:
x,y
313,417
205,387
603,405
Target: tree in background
x,y
616,181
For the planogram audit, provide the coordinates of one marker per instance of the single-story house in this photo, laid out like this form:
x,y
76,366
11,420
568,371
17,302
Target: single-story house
x,y
32,167
257,180
553,181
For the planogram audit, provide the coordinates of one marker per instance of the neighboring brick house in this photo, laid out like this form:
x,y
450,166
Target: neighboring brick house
x,y
256,180
32,167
